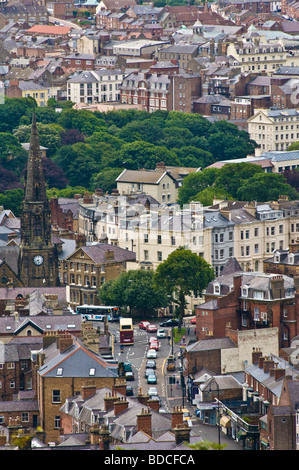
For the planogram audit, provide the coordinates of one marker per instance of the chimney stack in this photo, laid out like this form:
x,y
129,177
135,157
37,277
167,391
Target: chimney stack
x,y
88,391
120,405
64,341
144,421
182,433
256,354
177,418
104,438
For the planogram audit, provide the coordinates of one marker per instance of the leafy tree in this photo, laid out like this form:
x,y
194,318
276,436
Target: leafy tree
x,y
190,156
293,146
183,273
264,187
54,175
71,136
194,183
68,192
12,111
292,178
79,162
137,130
49,136
12,199
12,155
232,175
206,197
141,154
206,445
134,289
83,120
8,180
105,179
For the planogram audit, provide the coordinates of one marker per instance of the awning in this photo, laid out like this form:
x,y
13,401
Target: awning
x,y
225,422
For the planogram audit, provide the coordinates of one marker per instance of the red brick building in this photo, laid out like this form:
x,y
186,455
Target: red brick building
x,y
246,300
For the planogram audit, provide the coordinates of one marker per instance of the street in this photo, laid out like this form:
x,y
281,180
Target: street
x,y
170,394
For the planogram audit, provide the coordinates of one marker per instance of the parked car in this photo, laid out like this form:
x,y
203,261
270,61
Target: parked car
x,y
148,372
127,366
161,333
129,376
151,354
143,325
187,417
170,322
152,392
153,339
154,345
129,391
151,328
193,321
151,379
150,364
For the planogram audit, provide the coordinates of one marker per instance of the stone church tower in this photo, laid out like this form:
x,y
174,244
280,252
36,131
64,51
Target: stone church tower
x,y
38,255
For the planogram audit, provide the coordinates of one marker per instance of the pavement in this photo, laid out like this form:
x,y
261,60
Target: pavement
x,y
175,397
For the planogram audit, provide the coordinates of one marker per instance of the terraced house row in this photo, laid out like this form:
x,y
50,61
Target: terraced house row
x,y
250,232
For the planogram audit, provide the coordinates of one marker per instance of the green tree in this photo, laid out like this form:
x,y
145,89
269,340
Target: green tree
x,y
140,154
206,197
105,179
293,146
49,136
182,274
134,289
232,175
67,192
12,111
194,183
12,199
264,187
12,155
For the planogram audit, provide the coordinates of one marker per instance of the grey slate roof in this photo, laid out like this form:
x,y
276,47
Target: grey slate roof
x,y
269,380
10,325
210,344
76,361
97,253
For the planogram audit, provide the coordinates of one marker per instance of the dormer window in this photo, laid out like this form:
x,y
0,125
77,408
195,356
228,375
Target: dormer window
x,y
216,288
244,291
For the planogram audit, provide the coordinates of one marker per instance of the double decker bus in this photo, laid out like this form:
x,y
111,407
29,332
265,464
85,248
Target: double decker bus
x,y
126,333
98,312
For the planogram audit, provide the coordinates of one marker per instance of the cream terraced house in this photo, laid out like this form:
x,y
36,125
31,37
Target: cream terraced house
x,y
274,130
258,55
259,230
161,185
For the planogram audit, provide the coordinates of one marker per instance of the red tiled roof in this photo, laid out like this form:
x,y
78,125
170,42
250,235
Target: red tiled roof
x,y
48,29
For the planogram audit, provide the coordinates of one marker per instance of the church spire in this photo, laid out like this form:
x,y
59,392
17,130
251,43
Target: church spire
x,y
35,188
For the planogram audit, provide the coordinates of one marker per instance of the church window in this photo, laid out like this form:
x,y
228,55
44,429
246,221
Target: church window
x,y
37,229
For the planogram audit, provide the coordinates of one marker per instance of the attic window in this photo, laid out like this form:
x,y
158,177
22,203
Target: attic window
x,y
216,289
8,327
92,371
59,371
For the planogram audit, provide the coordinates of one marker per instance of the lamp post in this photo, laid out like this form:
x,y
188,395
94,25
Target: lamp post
x,y
218,412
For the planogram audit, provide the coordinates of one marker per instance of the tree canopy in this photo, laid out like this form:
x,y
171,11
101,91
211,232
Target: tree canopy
x,y
91,148
182,274
134,289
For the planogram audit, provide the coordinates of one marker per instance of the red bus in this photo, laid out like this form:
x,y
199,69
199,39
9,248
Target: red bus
x,y
126,333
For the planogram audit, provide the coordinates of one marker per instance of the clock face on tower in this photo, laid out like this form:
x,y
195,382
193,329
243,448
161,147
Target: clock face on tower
x,y
38,260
